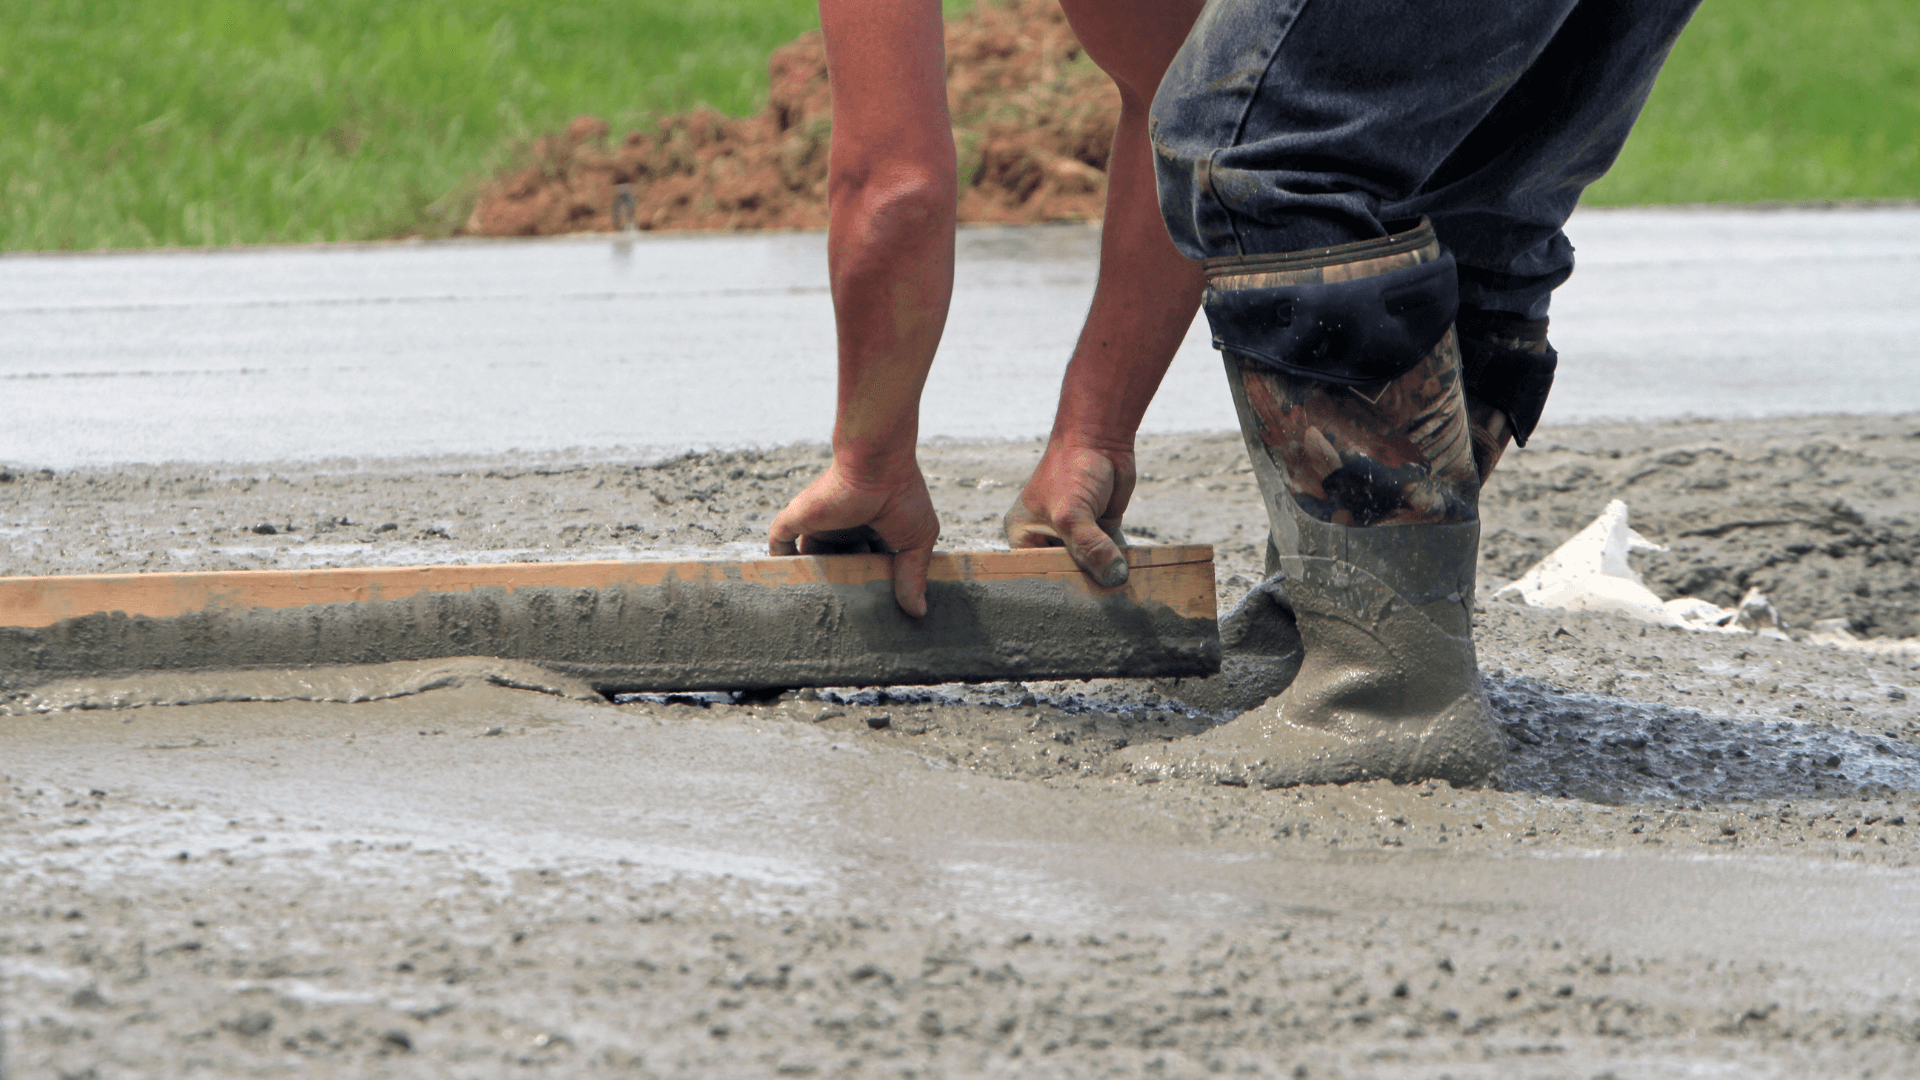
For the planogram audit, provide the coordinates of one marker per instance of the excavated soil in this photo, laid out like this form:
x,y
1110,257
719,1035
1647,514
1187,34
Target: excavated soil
x,y
1033,123
217,888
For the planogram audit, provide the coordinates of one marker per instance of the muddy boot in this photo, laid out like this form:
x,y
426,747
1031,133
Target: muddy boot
x,y
1506,369
1259,653
1346,377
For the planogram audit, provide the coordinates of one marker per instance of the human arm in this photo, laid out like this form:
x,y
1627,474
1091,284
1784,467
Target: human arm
x,y
1145,300
892,192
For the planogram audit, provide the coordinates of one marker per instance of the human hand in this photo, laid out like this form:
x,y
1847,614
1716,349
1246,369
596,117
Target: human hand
x,y
1075,498
840,512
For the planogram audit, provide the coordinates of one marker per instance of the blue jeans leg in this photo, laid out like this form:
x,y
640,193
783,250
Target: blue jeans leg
x,y
1286,125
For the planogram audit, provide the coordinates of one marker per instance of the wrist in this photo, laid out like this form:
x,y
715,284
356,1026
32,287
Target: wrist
x,y
875,463
1092,418
1104,438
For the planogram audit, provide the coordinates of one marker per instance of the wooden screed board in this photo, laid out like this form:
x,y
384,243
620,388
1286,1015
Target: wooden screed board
x,y
805,620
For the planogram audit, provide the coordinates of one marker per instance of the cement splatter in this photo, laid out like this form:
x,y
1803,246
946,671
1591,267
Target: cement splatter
x,y
343,683
1611,750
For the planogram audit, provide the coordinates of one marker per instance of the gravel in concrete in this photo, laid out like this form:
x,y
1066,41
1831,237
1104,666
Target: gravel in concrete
x,y
1701,858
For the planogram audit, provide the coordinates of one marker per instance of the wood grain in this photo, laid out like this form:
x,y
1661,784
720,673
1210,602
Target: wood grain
x,y
1178,576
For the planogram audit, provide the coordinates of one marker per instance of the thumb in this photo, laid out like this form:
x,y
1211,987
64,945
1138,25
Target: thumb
x,y
1096,553
1025,529
910,580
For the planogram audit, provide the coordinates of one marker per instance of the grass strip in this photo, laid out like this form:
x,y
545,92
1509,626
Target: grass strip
x,y
1789,100
134,123
186,122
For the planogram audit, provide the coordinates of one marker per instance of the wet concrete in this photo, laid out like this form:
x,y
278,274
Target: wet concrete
x,y
346,684
679,635
655,889
598,344
1699,857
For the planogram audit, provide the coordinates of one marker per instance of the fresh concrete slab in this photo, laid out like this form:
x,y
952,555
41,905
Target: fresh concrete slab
x,y
1700,859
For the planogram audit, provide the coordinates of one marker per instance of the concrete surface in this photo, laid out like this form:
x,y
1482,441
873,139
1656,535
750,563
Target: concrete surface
x,y
1700,858
485,882
668,342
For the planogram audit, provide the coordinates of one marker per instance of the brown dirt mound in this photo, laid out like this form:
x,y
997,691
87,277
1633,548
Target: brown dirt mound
x,y
1033,123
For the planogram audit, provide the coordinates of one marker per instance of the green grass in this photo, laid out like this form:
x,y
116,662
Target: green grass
x,y
1780,100
130,123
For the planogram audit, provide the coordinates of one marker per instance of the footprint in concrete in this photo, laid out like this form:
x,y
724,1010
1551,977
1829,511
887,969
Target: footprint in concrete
x,y
1612,750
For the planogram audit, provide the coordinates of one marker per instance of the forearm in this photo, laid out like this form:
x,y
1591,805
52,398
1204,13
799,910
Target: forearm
x,y
890,251
1144,303
892,194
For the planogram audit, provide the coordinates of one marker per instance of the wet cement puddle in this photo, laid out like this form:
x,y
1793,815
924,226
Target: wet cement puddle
x,y
1568,744
344,684
1563,743
1614,750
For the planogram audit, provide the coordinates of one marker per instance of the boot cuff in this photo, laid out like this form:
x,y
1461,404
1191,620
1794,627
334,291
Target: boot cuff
x,y
1409,236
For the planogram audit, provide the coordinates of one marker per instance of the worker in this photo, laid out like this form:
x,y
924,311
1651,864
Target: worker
x,y
892,191
1371,196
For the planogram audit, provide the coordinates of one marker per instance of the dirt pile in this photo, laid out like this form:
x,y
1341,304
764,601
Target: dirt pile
x,y
1033,122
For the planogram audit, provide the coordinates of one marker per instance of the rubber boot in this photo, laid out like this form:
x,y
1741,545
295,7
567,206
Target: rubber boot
x,y
1371,492
1507,369
1260,653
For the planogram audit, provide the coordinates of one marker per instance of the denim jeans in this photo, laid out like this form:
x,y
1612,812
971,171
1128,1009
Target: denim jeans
x,y
1285,125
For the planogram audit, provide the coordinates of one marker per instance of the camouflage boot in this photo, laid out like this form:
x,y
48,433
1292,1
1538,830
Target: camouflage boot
x,y
1347,381
1507,369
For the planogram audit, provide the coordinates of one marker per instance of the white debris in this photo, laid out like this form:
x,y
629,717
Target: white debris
x,y
1757,614
1697,614
1590,573
1837,634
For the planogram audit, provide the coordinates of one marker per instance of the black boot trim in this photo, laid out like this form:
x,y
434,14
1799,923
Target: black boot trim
x,y
1500,367
1367,330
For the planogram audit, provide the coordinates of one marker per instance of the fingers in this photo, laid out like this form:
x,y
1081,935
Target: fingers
x,y
1075,499
1094,544
860,540
1095,552
825,519
783,536
836,517
1025,529
910,580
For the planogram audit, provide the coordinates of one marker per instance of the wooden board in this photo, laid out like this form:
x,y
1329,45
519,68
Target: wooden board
x,y
1177,576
